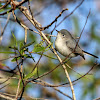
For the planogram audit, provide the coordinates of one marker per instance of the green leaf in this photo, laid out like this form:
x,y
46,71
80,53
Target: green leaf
x,y
21,50
25,55
14,59
21,44
8,52
1,10
48,47
26,45
14,38
30,75
13,47
39,48
47,56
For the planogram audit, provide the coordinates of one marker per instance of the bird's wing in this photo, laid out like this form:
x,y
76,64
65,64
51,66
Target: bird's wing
x,y
71,45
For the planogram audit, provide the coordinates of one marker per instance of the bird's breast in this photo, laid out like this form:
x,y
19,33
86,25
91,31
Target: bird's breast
x,y
62,48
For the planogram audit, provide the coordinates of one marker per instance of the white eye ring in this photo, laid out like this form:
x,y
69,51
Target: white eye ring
x,y
63,35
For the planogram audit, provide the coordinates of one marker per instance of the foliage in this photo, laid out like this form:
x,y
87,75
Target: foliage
x,y
31,64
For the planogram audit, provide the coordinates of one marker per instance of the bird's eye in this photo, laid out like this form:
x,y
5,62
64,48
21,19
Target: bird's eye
x,y
63,35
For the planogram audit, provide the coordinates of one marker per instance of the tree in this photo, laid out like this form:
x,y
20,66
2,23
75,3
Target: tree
x,y
28,60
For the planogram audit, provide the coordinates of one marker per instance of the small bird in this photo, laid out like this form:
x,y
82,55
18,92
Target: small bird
x,y
66,45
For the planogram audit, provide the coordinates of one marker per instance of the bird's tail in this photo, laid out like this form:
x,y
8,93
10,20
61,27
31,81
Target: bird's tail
x,y
90,54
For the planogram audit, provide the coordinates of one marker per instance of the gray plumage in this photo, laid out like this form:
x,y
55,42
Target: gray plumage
x,y
65,44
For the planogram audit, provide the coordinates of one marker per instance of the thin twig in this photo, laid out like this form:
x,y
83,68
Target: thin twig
x,y
25,35
4,86
2,7
4,27
70,13
97,98
37,25
18,88
82,29
19,4
75,79
36,63
43,28
30,9
43,83
6,97
9,58
84,74
7,79
3,1
21,77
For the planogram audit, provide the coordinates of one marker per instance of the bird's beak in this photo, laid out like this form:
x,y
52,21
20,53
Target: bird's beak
x,y
57,31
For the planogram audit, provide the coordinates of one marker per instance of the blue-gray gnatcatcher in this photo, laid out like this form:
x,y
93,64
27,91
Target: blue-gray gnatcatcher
x,y
66,45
